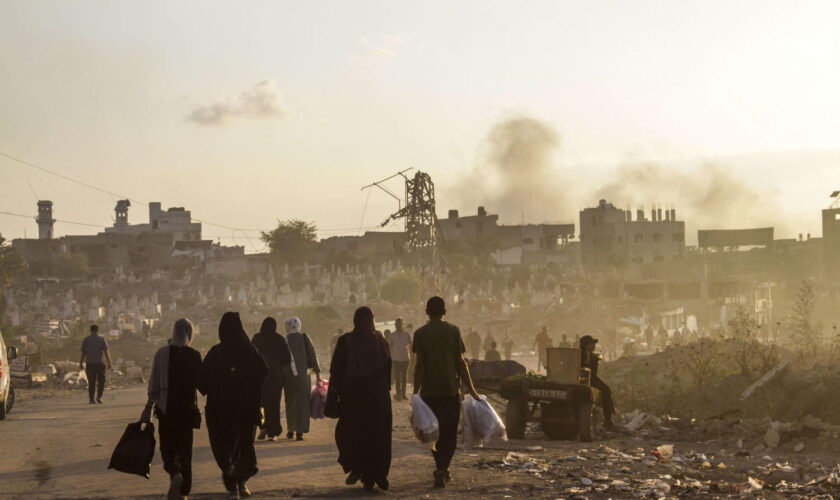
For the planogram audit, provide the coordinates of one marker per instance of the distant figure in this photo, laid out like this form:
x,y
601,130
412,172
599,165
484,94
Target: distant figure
x,y
360,371
439,374
298,386
650,338
172,384
95,359
399,344
488,342
542,342
231,377
410,329
507,345
663,337
474,344
387,335
492,354
564,341
275,352
588,359
677,340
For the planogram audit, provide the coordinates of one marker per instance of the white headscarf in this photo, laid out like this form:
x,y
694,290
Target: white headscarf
x,y
293,325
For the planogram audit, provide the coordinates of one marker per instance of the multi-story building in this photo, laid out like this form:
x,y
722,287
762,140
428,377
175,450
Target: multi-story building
x,y
831,242
175,221
610,238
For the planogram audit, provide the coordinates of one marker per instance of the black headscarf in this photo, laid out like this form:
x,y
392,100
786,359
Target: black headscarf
x,y
366,348
232,375
231,330
272,346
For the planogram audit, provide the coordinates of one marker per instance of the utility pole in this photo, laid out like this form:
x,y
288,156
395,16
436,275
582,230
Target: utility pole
x,y
421,224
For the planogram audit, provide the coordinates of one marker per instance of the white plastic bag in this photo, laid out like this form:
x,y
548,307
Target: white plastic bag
x,y
424,422
481,422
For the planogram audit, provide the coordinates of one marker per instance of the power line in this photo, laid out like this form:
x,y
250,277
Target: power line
x,y
75,181
194,219
57,220
111,193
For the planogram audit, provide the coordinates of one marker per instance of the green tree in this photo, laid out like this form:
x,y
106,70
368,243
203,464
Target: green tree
x,y
292,241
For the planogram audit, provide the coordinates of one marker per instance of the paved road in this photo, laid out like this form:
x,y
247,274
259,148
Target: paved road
x,y
59,447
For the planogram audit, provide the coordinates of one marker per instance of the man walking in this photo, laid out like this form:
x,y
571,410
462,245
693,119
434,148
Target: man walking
x,y
542,342
438,375
400,346
95,358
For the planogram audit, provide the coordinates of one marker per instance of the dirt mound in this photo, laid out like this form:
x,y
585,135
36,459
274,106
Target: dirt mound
x,y
705,380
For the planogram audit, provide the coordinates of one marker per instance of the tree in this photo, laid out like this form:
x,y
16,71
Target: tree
x,y
292,241
10,263
744,328
803,330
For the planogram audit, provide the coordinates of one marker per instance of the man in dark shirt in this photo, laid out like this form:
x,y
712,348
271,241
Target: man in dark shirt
x,y
589,359
439,372
492,354
95,358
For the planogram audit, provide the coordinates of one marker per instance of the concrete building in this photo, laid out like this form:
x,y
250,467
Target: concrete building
x,y
610,238
469,227
371,246
512,243
831,242
175,221
169,237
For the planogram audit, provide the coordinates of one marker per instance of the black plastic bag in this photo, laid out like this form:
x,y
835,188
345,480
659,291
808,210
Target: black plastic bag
x,y
134,452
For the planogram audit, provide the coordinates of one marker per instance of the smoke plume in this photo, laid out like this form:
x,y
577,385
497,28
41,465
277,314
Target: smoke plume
x,y
705,196
515,175
260,101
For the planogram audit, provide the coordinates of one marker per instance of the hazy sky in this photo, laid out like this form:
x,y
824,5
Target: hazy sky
x,y
249,112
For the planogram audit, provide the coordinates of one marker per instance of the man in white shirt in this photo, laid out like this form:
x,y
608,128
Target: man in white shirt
x,y
400,344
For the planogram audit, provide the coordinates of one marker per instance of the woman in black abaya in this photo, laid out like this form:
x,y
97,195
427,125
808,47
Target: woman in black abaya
x,y
361,373
275,352
231,376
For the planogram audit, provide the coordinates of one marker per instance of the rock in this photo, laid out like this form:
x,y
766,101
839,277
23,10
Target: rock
x,y
799,447
772,438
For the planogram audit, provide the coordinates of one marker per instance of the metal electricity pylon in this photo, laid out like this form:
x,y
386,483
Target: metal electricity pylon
x,y
421,224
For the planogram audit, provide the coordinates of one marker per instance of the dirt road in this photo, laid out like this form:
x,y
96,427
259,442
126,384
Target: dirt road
x,y
55,445
59,447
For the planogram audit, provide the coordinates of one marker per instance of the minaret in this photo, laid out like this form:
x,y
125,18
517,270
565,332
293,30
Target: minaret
x,y
45,220
121,211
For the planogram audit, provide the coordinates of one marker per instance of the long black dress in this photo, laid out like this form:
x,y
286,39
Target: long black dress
x,y
231,376
275,352
363,431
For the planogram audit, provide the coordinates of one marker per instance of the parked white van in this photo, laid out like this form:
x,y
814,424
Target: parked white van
x,y
7,392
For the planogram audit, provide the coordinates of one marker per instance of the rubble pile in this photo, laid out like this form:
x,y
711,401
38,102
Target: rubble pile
x,y
663,471
702,380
